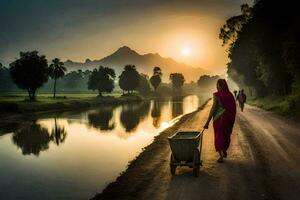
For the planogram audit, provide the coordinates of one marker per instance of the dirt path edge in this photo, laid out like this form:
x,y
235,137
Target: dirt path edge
x,y
139,173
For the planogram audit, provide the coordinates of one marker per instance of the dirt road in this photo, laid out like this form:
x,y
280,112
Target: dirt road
x,y
263,163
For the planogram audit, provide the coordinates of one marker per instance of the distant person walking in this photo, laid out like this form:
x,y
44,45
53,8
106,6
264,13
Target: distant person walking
x,y
241,98
223,112
234,92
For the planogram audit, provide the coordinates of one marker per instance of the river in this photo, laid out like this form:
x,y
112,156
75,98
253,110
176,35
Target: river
x,y
74,155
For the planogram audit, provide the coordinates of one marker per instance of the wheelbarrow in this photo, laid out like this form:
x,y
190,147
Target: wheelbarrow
x,y
186,150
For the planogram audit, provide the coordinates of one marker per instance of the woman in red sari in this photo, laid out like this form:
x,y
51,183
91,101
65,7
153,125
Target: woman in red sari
x,y
223,112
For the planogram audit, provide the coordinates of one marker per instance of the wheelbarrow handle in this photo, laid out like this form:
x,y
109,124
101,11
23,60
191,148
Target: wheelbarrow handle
x,y
202,131
201,140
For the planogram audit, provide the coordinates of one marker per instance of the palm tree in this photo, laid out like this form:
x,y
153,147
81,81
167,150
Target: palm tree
x,y
57,70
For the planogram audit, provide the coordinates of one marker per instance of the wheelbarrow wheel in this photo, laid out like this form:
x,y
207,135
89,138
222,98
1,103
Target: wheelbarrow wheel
x,y
172,165
196,163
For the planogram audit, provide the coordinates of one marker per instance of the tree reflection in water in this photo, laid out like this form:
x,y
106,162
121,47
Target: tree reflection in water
x,y
144,109
177,106
156,113
102,118
58,133
132,114
35,138
32,139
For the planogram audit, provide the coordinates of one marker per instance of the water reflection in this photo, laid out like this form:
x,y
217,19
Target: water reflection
x,y
32,139
9,127
102,118
36,136
177,106
156,113
87,158
58,133
133,114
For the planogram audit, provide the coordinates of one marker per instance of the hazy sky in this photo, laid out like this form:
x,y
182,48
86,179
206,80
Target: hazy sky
x,y
186,30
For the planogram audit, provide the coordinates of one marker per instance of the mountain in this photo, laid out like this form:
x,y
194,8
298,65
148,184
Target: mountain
x,y
144,64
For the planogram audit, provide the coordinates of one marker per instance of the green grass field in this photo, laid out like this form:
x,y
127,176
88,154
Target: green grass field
x,y
17,102
21,96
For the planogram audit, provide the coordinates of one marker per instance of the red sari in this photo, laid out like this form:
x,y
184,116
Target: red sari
x,y
223,125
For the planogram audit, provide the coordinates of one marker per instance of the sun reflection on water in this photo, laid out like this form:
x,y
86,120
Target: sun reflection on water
x,y
165,125
80,153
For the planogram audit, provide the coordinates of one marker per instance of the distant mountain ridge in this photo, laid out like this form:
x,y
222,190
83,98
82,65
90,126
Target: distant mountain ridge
x,y
144,64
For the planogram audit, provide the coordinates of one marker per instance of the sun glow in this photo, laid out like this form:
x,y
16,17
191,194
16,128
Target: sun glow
x,y
186,51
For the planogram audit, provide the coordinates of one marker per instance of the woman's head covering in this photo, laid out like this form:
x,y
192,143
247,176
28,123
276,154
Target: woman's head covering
x,y
226,97
223,85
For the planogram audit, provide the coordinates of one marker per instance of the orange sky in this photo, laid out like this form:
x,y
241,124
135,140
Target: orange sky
x,y
94,29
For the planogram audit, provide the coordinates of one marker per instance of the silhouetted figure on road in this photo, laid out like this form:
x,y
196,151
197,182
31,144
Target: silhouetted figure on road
x,y
241,98
223,112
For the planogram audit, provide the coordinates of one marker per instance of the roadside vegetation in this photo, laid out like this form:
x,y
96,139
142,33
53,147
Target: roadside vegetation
x,y
263,49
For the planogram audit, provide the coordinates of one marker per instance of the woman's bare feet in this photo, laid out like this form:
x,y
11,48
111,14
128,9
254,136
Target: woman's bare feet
x,y
220,160
224,154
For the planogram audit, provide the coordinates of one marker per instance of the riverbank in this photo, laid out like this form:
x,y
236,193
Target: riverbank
x,y
17,105
128,185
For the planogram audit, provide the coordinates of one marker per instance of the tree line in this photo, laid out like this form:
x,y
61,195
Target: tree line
x,y
31,71
263,47
103,119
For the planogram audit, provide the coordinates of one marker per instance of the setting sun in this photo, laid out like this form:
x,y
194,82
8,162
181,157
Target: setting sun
x,y
186,51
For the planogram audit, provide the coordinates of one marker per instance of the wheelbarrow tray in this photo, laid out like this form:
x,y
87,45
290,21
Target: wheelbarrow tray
x,y
183,145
